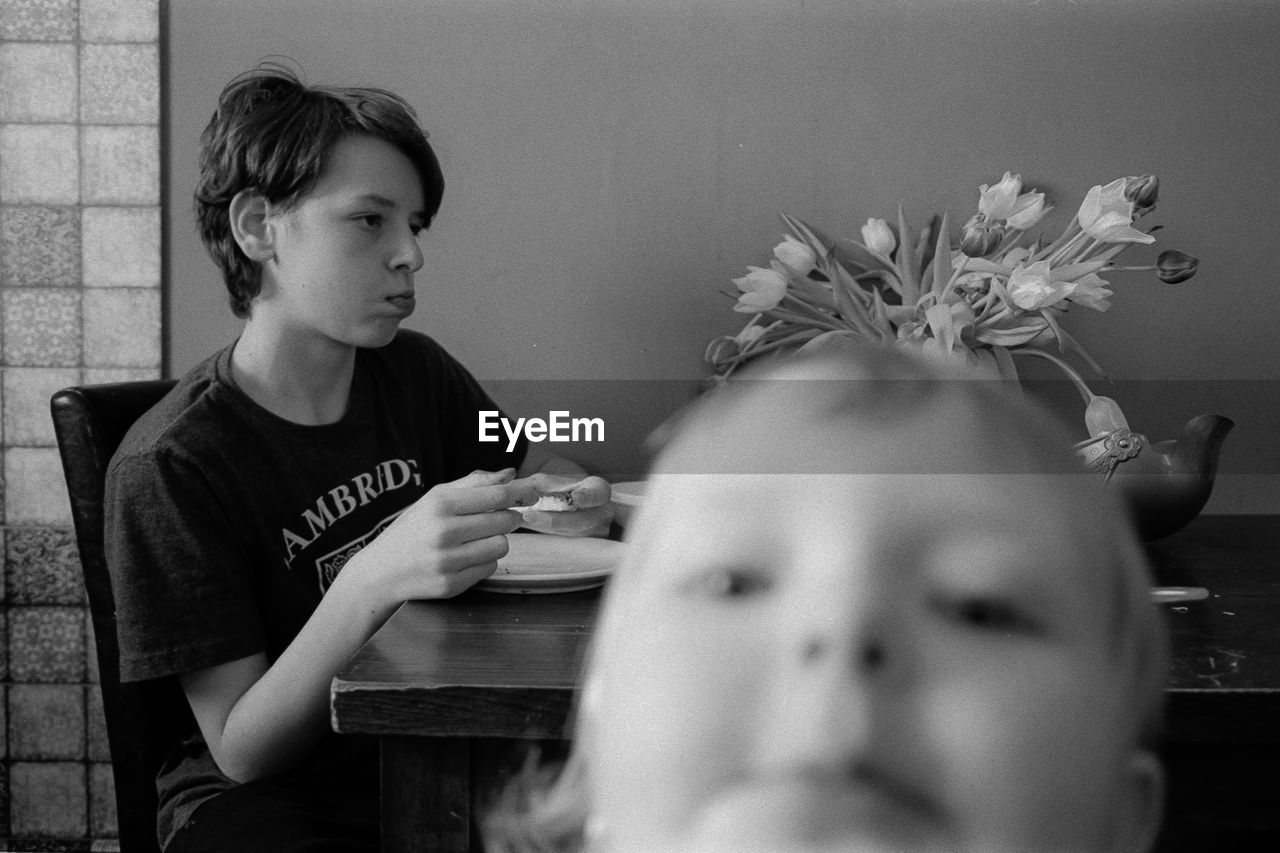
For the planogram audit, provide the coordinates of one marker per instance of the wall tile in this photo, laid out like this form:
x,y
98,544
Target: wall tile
x,y
99,375
35,489
41,328
43,566
119,20
102,801
4,726
46,721
48,799
37,82
121,246
121,165
3,584
38,20
40,246
122,327
46,645
39,163
91,674
4,793
96,721
120,84
26,403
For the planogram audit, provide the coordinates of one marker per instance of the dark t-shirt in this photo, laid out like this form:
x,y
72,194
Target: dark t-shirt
x,y
225,524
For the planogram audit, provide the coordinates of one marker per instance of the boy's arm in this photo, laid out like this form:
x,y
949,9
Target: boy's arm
x,y
261,719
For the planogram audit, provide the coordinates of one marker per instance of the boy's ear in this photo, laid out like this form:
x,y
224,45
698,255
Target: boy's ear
x,y
1141,809
249,225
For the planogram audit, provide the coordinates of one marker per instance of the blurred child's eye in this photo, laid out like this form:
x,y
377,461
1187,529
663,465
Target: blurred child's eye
x,y
732,582
370,220
986,613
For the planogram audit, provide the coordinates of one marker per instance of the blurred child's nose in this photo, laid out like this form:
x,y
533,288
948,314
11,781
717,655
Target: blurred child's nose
x,y
840,683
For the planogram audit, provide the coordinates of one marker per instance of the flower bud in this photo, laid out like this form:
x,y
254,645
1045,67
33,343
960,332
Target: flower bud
x,y
1173,266
1142,190
879,237
795,256
720,349
980,236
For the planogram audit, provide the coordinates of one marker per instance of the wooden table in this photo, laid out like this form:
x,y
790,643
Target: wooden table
x,y
440,677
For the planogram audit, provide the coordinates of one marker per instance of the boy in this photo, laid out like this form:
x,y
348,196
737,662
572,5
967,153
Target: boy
x,y
892,616
296,487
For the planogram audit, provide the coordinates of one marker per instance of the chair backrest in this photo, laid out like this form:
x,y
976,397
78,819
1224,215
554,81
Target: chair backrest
x,y
89,422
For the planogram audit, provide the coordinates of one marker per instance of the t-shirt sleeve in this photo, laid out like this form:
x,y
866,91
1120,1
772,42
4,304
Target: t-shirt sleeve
x,y
179,571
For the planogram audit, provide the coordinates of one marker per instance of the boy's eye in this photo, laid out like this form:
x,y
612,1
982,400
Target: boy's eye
x,y
732,582
370,220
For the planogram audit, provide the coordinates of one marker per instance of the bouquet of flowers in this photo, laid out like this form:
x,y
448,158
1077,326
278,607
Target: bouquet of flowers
x,y
996,294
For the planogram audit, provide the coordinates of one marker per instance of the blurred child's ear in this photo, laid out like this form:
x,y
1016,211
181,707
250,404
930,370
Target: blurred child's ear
x,y
1141,809
249,226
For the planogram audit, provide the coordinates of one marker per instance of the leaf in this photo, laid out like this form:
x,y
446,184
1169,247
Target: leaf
x,y
942,254
929,240
908,264
1005,363
806,233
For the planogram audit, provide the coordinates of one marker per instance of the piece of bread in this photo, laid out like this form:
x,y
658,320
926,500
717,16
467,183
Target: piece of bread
x,y
561,501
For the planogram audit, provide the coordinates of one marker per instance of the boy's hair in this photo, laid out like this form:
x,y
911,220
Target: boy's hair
x,y
273,133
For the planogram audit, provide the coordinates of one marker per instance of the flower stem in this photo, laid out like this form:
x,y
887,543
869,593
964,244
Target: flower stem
x,y
1071,373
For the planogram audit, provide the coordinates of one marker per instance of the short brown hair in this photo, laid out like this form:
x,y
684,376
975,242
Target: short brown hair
x,y
273,133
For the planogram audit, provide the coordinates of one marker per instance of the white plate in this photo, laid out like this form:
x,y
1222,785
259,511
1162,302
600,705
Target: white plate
x,y
538,563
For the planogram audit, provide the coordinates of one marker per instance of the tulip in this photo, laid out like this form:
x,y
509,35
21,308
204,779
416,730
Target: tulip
x,y
1107,216
1142,190
1173,266
762,290
749,335
1032,287
719,349
795,256
980,236
879,237
1027,211
998,202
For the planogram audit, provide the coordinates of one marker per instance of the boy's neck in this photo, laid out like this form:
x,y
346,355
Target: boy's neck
x,y
303,381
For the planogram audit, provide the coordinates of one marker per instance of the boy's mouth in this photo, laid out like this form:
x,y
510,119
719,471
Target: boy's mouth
x,y
403,302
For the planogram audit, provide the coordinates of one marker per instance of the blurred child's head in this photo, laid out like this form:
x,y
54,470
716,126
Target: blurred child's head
x,y
869,606
272,134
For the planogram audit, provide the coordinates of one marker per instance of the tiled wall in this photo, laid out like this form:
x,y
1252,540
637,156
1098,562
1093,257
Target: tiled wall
x,y
80,302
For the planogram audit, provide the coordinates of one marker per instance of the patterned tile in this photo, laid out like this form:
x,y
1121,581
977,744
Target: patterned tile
x,y
4,646
38,20
35,489
46,721
96,721
48,799
4,794
43,566
102,801
4,727
4,638
37,82
39,163
26,403
40,248
91,675
121,246
41,328
46,645
122,327
121,164
120,84
99,375
119,20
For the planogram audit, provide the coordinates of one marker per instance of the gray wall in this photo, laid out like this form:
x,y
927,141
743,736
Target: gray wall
x,y
612,164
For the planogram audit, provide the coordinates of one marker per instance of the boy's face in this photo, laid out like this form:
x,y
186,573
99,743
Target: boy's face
x,y
859,662
345,254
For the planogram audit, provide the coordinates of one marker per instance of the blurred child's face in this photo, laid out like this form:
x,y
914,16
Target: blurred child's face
x,y
859,662
346,252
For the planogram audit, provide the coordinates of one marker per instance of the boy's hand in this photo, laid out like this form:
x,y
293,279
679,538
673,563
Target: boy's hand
x,y
588,512
449,539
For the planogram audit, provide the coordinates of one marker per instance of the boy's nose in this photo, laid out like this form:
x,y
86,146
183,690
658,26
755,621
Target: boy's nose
x,y
408,255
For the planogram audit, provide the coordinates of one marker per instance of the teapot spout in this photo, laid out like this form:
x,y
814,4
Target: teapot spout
x,y
1197,448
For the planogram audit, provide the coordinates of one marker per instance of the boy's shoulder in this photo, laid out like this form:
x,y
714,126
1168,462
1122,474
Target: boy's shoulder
x,y
185,420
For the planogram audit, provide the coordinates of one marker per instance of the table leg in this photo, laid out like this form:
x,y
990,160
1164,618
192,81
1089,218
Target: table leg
x,y
426,795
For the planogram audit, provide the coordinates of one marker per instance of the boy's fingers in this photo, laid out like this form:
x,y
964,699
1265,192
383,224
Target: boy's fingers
x,y
465,500
484,478
591,491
